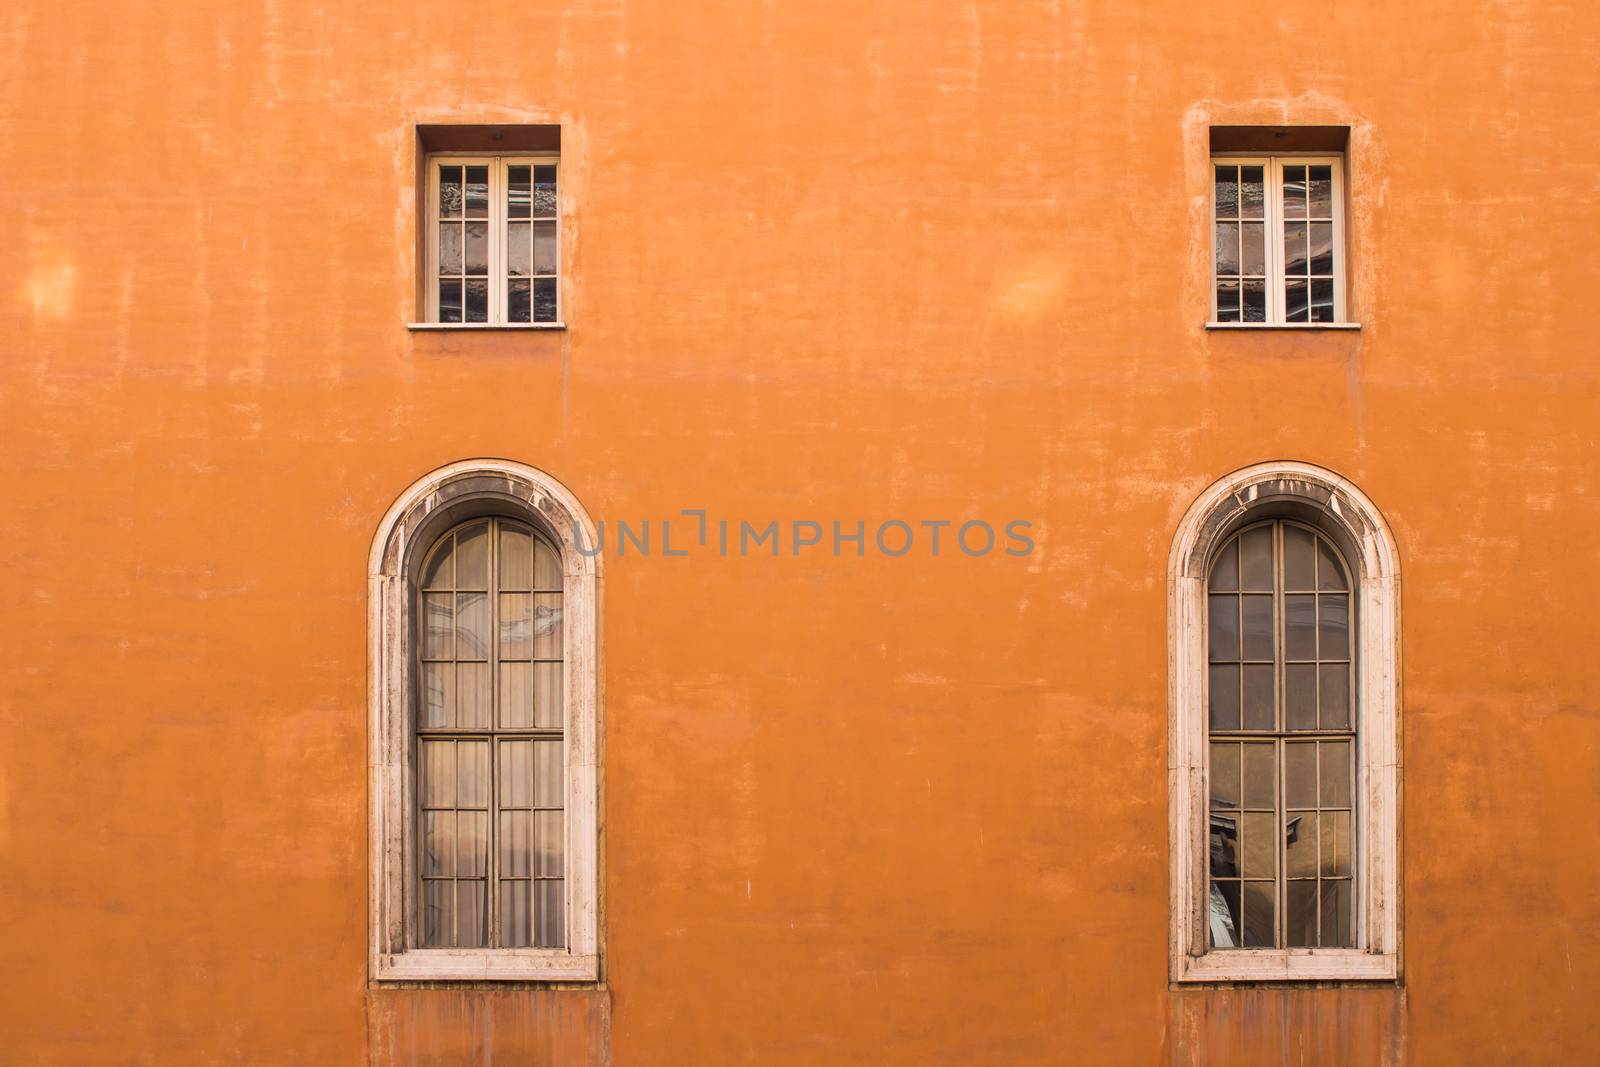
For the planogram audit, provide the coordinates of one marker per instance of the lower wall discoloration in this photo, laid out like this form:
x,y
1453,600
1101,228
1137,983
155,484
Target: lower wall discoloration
x,y
1244,1027
472,1027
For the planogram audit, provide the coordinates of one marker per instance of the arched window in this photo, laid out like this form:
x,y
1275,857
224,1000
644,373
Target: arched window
x,y
485,730
1284,732
490,728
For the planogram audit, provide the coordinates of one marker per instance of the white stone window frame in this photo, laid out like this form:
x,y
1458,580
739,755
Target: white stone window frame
x,y
499,215
433,505
1336,506
1273,220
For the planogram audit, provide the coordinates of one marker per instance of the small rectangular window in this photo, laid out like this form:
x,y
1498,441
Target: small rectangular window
x,y
493,244
1278,239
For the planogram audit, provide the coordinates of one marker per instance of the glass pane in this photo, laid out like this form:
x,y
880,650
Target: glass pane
x,y
515,561
439,573
1300,626
1252,190
1255,548
1227,248
1227,192
1225,571
548,775
1253,295
1335,777
519,249
438,774
516,696
1227,300
516,625
438,914
1257,622
472,915
1260,703
1259,844
1260,776
549,829
1300,775
1322,248
516,914
546,566
516,844
1224,696
475,293
548,710
1336,903
472,626
1335,694
437,615
1260,914
1300,845
547,625
438,844
544,300
438,695
1223,630
1330,572
1295,308
473,695
1300,696
1253,249
544,191
519,300
1294,248
472,774
1300,918
472,844
1321,299
449,192
518,198
450,248
472,557
544,248
449,301
1333,626
1224,914
1321,191
1223,845
1335,844
1294,192
1224,772
1299,559
476,248
550,901
477,200
516,774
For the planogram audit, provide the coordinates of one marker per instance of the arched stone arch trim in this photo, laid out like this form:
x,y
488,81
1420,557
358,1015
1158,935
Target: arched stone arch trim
x,y
1345,513
431,505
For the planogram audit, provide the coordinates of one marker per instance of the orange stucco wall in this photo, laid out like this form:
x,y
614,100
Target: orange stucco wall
x,y
825,260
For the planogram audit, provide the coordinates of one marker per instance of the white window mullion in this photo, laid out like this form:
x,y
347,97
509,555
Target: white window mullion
x,y
1275,308
498,191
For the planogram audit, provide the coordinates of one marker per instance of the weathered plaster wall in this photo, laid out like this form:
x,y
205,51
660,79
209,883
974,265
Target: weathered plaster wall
x,y
925,260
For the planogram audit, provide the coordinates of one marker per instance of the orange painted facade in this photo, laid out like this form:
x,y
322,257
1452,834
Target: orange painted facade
x,y
824,261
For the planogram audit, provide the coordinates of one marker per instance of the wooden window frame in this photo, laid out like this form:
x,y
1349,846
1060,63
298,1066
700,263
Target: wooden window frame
x,y
1339,509
498,182
431,506
1273,218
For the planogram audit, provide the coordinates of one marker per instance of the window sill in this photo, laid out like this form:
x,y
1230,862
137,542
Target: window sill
x,y
426,326
1288,965
480,965
1283,326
